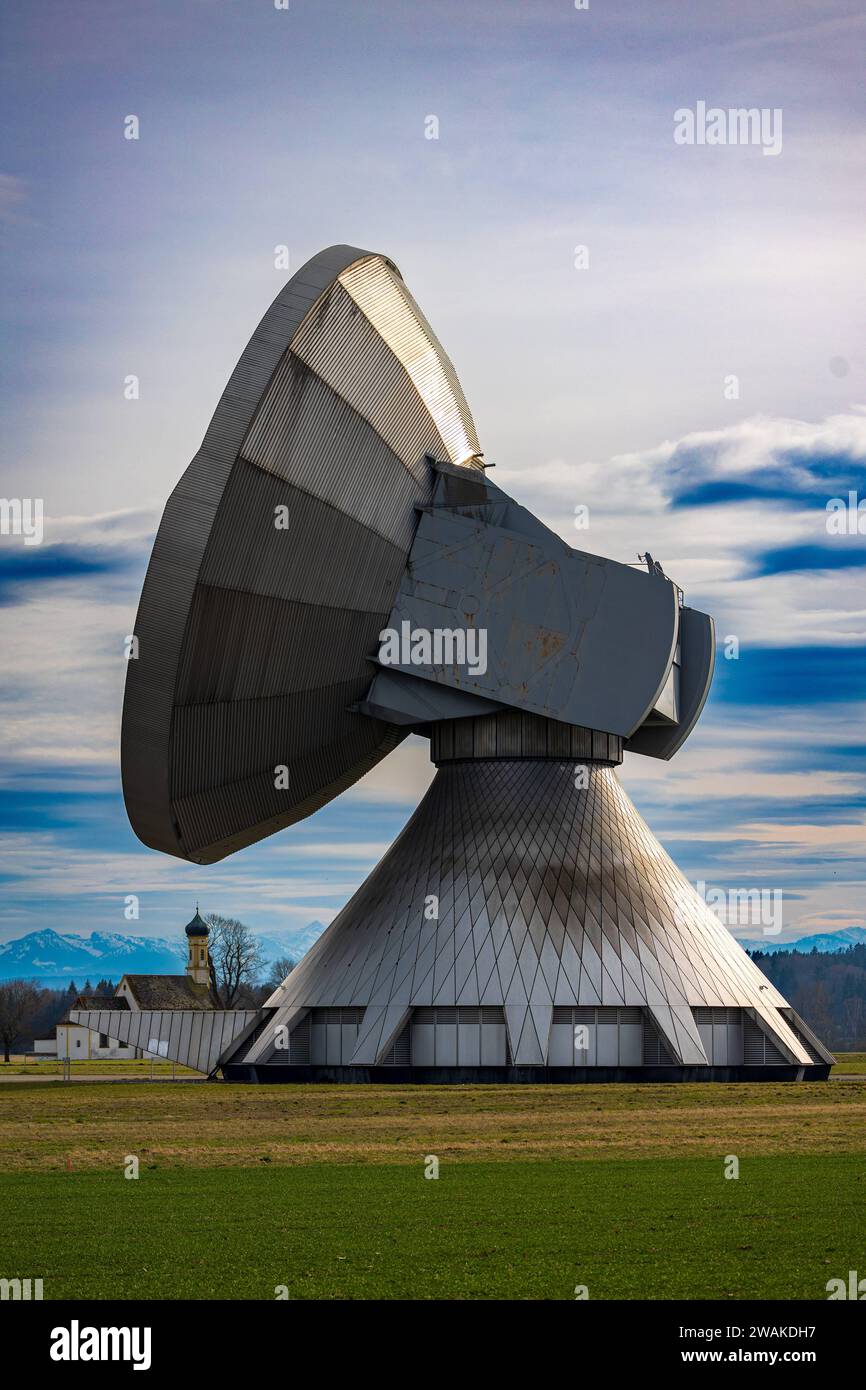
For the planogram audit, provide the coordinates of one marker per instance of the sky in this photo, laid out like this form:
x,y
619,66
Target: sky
x,y
695,376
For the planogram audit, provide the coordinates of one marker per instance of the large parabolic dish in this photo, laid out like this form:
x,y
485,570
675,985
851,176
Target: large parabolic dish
x,y
336,569
255,636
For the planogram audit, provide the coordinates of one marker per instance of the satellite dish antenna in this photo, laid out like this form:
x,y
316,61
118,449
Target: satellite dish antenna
x,y
278,559
334,570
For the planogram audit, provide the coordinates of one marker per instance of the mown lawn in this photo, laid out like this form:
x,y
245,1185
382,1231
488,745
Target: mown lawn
x,y
671,1228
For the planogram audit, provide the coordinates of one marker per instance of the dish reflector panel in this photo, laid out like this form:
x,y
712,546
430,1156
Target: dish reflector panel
x,y
278,559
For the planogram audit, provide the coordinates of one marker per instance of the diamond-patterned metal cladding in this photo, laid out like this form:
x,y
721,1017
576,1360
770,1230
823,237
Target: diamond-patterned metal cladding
x,y
547,894
194,1037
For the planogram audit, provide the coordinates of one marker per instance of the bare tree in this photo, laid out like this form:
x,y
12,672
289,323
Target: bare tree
x,y
235,955
19,1000
280,968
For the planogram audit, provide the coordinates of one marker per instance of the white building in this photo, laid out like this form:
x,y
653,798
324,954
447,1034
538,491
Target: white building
x,y
79,1044
193,990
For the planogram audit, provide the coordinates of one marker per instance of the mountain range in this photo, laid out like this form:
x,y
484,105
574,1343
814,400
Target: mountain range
x,y
54,958
829,941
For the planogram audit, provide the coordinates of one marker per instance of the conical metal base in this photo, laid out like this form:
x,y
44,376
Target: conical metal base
x,y
530,886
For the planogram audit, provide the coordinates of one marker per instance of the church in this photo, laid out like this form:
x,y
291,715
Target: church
x,y
194,990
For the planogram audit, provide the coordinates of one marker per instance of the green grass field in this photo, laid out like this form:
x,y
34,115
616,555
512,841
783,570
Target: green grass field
x,y
850,1063
242,1189
671,1229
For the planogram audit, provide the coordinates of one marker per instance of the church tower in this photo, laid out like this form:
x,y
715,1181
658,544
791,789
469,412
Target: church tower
x,y
198,964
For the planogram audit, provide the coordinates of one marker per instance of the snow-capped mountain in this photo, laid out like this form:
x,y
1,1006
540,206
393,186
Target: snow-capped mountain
x,y
56,955
829,941
52,956
290,943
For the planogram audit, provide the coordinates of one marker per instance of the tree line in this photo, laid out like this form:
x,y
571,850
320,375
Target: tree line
x,y
827,989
